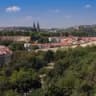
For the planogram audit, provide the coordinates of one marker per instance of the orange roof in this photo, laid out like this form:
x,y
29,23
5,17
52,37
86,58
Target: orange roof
x,y
5,50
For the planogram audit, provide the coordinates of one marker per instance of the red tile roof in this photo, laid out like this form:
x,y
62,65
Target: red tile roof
x,y
5,50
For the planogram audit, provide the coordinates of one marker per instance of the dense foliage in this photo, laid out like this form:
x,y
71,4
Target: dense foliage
x,y
74,73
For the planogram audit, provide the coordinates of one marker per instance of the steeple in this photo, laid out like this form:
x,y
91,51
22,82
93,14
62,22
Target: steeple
x,y
34,27
38,27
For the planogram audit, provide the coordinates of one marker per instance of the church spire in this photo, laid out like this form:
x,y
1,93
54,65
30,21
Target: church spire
x,y
38,27
34,27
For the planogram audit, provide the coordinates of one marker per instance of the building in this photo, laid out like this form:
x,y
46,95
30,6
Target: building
x,y
5,55
36,28
15,38
54,39
27,46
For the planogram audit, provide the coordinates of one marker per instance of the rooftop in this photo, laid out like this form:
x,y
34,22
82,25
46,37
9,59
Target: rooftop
x,y
4,50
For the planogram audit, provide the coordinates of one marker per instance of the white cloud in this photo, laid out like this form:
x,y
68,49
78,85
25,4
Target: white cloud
x,y
13,9
56,11
31,18
28,17
68,16
88,6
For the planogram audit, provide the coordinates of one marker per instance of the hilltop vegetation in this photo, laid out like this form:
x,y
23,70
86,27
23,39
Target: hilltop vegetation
x,y
74,73
82,30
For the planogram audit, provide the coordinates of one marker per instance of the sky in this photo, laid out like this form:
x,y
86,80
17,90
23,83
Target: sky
x,y
49,13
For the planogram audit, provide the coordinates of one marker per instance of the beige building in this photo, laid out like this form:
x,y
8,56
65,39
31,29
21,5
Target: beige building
x,y
15,38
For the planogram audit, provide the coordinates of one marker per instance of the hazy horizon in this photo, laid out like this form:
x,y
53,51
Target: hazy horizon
x,y
50,13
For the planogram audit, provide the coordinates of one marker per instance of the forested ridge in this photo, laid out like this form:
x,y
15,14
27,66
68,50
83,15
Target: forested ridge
x,y
73,73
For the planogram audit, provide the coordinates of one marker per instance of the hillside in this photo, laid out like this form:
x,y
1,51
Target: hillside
x,y
69,72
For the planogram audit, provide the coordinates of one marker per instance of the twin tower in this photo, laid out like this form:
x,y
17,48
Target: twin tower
x,y
36,27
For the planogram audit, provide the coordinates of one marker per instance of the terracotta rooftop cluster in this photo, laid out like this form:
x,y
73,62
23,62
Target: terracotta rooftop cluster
x,y
88,38
66,41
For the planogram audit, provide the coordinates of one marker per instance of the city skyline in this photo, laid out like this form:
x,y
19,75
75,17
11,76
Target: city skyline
x,y
50,13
